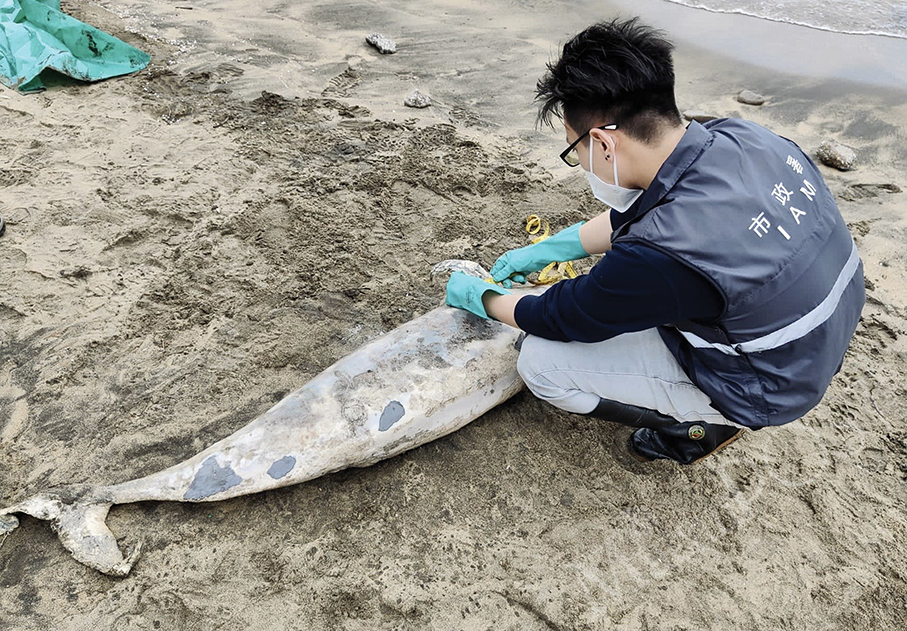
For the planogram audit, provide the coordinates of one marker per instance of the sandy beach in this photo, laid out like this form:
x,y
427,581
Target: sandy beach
x,y
188,244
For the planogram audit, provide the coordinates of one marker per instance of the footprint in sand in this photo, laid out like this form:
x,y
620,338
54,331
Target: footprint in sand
x,y
856,192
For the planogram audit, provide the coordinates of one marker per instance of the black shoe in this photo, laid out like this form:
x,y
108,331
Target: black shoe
x,y
685,443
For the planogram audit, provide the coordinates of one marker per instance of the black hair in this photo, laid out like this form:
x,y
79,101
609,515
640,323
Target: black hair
x,y
613,72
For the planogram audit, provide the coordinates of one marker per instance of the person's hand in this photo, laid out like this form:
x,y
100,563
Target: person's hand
x,y
516,264
465,292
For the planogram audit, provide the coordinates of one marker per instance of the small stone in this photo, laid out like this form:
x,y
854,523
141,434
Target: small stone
x,y
750,98
417,99
8,523
385,45
836,155
699,117
79,271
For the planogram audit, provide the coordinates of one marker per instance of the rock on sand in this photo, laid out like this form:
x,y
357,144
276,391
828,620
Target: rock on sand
x,y
698,116
385,45
417,99
836,155
750,98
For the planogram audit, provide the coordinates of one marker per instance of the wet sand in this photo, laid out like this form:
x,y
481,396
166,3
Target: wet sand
x,y
183,250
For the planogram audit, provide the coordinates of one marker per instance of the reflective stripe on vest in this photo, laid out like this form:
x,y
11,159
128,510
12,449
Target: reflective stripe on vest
x,y
796,329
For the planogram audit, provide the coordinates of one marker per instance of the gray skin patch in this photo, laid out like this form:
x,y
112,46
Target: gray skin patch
x,y
282,467
211,479
392,413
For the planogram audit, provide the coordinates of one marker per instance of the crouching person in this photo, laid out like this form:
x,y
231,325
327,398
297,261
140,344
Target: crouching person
x,y
730,286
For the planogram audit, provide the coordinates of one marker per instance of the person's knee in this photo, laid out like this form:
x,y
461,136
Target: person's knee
x,y
536,369
528,363
540,365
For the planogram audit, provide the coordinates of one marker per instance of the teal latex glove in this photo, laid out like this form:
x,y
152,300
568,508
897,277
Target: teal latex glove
x,y
516,264
465,292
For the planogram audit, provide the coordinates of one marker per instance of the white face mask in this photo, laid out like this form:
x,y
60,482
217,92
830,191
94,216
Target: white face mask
x,y
617,197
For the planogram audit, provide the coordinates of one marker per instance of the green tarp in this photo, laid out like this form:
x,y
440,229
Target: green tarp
x,y
35,35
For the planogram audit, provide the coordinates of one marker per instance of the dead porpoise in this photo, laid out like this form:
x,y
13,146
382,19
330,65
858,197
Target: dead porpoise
x,y
416,383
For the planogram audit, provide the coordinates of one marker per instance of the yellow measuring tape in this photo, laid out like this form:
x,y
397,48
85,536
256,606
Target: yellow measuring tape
x,y
556,270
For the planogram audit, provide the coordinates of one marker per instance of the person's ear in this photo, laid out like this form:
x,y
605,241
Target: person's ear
x,y
607,139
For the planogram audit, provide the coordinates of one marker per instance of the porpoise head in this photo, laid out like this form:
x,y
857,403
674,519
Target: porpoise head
x,y
470,268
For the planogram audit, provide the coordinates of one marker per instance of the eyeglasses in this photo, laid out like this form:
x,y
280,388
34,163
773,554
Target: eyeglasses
x,y
570,156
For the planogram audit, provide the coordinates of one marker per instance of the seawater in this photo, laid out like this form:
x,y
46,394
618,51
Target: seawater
x,y
861,17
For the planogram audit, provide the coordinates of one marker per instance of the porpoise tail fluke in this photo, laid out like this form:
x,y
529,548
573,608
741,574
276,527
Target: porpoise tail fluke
x,y
79,521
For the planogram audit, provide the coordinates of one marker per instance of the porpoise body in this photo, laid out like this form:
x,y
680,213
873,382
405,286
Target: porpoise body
x,y
419,382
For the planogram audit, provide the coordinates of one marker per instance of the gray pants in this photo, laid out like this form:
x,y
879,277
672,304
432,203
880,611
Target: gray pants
x,y
635,368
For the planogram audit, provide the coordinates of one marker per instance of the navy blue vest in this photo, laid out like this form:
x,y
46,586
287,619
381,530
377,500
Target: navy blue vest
x,y
751,212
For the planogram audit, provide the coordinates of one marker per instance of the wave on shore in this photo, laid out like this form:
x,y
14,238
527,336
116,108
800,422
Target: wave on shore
x,y
858,17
